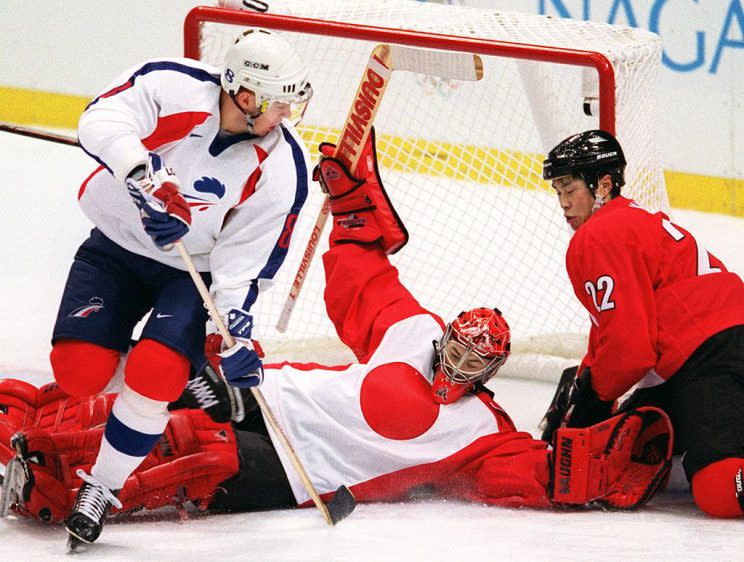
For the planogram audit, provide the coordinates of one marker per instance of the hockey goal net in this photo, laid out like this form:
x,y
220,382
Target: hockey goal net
x,y
462,160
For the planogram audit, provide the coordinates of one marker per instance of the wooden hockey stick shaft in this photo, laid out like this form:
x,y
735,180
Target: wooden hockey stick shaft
x,y
347,504
257,394
383,60
38,134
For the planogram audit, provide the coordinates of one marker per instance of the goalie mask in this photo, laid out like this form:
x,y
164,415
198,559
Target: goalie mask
x,y
266,64
470,352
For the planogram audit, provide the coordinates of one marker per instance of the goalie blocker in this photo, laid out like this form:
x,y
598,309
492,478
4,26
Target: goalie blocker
x,y
617,464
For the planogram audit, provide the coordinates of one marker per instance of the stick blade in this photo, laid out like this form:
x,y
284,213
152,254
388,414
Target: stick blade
x,y
444,64
341,505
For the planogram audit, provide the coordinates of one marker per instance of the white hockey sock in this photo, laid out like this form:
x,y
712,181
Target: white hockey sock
x,y
133,428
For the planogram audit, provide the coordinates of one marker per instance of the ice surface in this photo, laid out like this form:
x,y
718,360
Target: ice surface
x,y
40,230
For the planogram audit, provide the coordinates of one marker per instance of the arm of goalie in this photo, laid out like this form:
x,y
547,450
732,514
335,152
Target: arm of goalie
x,y
618,464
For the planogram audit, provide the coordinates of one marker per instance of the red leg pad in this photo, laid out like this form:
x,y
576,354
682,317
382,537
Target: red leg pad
x,y
156,371
717,488
82,368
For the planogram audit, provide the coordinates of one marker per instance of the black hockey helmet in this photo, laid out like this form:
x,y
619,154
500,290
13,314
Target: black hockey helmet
x,y
588,155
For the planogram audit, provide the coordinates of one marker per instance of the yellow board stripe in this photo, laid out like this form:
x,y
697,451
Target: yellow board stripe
x,y
32,107
458,161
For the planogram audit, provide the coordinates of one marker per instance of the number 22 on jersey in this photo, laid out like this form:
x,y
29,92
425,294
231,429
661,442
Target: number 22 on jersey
x,y
605,284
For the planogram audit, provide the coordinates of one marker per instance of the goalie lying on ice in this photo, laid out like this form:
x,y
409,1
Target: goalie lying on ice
x,y
408,417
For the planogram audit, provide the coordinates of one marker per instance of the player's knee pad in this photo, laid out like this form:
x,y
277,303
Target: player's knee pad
x,y
719,488
156,371
82,368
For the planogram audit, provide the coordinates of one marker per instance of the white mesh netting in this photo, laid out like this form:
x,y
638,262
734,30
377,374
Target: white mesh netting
x,y
462,163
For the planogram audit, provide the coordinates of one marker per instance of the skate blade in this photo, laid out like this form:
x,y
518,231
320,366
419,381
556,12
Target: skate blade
x,y
75,544
13,483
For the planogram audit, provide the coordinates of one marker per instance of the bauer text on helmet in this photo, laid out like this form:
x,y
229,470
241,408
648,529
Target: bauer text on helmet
x,y
265,63
588,155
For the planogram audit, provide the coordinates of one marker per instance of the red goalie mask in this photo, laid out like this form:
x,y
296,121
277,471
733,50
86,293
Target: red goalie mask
x,y
471,350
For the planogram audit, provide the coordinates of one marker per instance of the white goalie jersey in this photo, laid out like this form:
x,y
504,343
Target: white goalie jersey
x,y
244,191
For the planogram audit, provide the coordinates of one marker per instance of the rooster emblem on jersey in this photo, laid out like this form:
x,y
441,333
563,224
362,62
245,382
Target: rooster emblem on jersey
x,y
94,305
206,185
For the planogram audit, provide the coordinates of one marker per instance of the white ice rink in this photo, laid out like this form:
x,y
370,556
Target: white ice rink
x,y
40,230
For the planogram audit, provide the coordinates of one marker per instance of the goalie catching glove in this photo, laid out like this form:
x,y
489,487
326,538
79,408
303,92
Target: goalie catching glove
x,y
155,190
240,364
575,404
362,212
617,464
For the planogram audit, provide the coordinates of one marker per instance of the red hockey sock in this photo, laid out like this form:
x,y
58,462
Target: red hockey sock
x,y
82,368
718,488
156,371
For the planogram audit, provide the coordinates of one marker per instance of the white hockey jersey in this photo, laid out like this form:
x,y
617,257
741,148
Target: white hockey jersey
x,y
374,425
245,192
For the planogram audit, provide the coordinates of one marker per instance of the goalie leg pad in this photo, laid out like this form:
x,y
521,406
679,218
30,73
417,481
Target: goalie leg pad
x,y
617,464
362,211
718,488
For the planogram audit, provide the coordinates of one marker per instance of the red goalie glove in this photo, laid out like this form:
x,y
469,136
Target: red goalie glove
x,y
362,211
619,463
192,458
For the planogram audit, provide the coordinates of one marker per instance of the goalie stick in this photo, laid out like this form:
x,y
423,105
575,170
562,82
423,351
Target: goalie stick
x,y
382,62
343,502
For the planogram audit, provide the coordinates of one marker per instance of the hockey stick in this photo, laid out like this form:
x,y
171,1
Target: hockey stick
x,y
343,502
382,62
38,134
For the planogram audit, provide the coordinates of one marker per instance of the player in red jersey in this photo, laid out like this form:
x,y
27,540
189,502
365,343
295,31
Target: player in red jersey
x,y
666,317
409,416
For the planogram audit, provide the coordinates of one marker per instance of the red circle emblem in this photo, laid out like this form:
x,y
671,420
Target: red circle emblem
x,y
396,401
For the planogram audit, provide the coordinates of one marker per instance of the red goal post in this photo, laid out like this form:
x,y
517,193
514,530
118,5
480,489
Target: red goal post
x,y
606,74
461,161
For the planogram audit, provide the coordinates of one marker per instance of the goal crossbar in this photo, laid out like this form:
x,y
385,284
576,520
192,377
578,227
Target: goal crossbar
x,y
560,55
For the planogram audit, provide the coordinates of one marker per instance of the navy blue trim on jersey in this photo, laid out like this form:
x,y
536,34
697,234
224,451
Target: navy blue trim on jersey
x,y
222,142
96,158
197,73
127,440
279,253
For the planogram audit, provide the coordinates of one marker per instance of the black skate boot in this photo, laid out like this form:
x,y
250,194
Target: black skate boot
x,y
92,506
208,391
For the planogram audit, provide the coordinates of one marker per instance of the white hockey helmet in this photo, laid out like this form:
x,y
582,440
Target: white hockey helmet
x,y
265,63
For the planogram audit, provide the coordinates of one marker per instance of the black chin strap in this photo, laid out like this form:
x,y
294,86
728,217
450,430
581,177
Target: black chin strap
x,y
249,119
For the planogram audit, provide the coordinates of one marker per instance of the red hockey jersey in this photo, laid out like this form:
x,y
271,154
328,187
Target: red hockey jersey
x,y
374,426
653,294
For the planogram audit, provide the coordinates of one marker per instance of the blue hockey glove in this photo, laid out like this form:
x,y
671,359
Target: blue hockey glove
x,y
241,364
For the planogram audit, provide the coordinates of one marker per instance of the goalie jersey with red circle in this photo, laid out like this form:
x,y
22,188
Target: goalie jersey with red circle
x,y
373,425
653,292
244,191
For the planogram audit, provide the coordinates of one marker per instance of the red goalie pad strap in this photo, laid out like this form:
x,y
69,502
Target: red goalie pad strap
x,y
619,463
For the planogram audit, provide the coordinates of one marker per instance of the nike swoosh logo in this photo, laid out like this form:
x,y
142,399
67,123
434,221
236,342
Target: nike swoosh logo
x,y
195,135
158,315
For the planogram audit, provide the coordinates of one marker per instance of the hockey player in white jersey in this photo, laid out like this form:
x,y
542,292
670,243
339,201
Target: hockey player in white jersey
x,y
187,152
